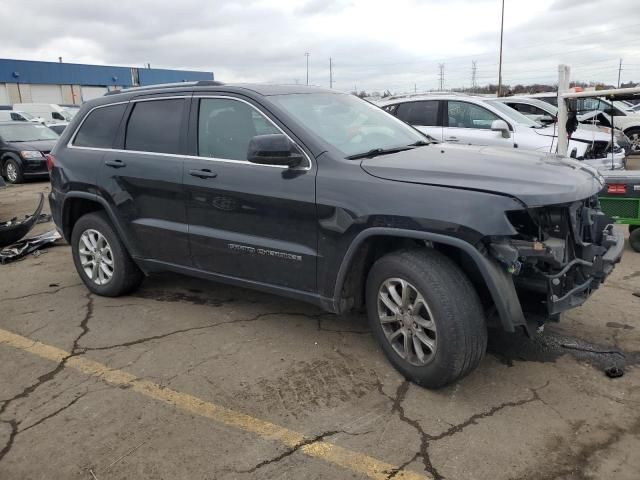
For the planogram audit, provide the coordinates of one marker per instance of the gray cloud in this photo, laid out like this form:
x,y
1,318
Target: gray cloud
x,y
374,45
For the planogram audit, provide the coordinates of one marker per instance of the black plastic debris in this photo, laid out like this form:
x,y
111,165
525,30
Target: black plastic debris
x,y
14,229
614,372
27,246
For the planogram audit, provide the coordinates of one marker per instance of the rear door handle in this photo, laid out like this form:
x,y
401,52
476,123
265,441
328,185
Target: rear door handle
x,y
115,163
451,139
204,173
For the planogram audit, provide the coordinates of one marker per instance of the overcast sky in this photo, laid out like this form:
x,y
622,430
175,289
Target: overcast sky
x,y
375,45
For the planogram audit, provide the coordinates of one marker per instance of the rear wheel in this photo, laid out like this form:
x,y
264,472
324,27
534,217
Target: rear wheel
x,y
634,239
101,259
13,172
426,315
633,228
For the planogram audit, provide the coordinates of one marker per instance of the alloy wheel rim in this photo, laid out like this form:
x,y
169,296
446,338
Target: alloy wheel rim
x,y
12,173
635,142
407,321
96,257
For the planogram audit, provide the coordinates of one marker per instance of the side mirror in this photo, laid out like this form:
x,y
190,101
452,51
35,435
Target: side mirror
x,y
274,149
501,126
547,119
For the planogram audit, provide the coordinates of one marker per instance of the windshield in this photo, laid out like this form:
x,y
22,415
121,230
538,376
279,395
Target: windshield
x,y
348,123
513,114
69,112
26,116
26,133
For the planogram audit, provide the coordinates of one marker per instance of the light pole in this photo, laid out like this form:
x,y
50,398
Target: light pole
x,y
307,57
500,63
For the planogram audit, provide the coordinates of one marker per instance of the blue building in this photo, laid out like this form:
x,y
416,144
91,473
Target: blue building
x,y
24,81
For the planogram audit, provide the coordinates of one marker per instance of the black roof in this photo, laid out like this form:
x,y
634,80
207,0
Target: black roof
x,y
208,85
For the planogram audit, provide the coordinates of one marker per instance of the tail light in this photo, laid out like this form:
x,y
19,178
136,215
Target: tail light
x,y
616,189
50,161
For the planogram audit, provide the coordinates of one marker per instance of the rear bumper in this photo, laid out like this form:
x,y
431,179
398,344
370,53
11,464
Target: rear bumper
x,y
55,205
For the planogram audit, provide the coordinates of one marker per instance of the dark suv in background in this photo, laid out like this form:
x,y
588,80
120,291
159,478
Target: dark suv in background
x,y
23,150
325,198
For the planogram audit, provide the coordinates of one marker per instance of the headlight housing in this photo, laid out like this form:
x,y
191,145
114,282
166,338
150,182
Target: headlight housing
x,y
31,155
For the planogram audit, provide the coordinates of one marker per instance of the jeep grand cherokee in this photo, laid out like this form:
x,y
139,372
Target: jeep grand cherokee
x,y
323,197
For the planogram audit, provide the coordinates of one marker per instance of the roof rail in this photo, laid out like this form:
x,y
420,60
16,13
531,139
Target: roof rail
x,y
425,94
198,83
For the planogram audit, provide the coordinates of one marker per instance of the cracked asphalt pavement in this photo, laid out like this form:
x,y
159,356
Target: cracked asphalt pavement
x,y
119,388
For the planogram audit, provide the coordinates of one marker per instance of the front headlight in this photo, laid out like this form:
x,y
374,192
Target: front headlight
x,y
31,155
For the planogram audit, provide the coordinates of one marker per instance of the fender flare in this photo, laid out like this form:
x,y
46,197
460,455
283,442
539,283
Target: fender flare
x,y
106,207
498,281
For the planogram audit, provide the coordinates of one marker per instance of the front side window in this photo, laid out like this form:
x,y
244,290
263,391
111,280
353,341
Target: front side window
x,y
226,126
155,126
26,132
99,127
349,124
469,115
423,113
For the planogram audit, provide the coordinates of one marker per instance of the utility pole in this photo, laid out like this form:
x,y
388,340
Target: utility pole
x,y
619,72
441,67
500,63
415,88
474,69
306,54
330,73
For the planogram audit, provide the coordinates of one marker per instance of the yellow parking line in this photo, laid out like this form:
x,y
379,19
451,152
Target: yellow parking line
x,y
343,457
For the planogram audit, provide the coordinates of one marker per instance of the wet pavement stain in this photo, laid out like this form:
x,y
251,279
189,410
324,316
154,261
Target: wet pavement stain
x,y
623,326
549,346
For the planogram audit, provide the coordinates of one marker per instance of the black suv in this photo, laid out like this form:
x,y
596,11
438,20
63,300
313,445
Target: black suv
x,y
23,148
323,197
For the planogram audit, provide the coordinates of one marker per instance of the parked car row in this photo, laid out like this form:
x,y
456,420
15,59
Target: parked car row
x,y
470,120
599,111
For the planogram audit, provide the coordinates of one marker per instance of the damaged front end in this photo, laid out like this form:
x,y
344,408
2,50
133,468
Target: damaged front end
x,y
561,254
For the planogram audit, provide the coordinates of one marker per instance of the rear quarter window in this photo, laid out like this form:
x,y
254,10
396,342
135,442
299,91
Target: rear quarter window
x,y
99,128
155,126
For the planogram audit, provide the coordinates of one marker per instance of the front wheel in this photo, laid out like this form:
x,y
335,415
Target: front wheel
x,y
426,315
13,172
634,239
634,136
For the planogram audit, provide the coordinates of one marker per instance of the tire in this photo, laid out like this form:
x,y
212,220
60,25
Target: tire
x,y
451,301
633,228
125,274
634,136
634,239
13,171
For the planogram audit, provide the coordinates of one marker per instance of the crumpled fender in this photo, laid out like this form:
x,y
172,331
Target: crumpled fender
x,y
14,230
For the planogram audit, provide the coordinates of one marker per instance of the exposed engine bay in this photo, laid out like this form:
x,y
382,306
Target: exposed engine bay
x,y
560,255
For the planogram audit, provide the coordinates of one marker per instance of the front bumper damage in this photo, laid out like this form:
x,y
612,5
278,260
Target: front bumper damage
x,y
562,253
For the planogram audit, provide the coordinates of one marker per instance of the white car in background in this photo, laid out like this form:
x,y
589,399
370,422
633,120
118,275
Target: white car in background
x,y
545,113
17,116
468,120
598,111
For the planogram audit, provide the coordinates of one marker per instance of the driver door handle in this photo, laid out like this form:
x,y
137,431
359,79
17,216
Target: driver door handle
x,y
451,139
204,173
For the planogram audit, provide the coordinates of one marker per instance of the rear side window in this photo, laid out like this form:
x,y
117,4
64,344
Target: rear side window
x,y
99,127
419,113
154,126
